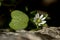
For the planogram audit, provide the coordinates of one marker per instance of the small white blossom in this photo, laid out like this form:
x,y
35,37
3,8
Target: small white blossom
x,y
39,20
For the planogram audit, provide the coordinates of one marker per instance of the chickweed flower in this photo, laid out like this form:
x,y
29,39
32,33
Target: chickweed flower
x,y
39,20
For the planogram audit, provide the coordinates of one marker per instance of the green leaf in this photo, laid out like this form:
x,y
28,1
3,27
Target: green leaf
x,y
33,12
45,25
0,3
19,20
26,8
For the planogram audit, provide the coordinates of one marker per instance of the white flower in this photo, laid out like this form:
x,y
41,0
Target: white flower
x,y
39,20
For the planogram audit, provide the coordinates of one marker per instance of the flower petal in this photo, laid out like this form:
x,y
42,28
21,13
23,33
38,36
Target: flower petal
x,y
41,16
43,22
37,15
39,24
34,18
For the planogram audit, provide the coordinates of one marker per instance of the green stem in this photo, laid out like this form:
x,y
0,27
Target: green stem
x,y
37,26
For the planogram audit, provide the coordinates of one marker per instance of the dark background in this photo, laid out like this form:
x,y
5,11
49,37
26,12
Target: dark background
x,y
53,10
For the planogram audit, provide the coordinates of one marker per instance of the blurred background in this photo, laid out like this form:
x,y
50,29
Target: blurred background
x,y
52,7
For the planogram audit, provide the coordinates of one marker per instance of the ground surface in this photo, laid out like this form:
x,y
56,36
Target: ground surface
x,y
52,33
